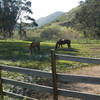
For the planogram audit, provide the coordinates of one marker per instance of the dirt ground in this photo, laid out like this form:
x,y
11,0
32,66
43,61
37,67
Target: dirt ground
x,y
82,87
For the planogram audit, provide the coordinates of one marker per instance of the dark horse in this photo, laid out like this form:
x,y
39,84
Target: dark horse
x,y
35,46
60,42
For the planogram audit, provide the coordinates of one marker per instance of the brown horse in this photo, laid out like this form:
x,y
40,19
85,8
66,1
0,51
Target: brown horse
x,y
35,46
60,42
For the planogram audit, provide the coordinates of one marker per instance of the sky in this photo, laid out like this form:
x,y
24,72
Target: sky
x,y
42,8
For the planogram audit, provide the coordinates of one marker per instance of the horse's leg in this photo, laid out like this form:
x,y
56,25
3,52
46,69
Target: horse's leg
x,y
56,46
30,50
38,47
61,46
35,49
69,45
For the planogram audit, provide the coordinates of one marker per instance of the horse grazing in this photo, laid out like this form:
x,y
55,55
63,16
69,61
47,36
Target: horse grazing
x,y
35,46
60,42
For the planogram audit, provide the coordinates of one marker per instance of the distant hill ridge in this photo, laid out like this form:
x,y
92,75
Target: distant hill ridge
x,y
52,17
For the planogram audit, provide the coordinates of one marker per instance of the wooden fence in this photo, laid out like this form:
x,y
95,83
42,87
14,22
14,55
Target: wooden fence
x,y
55,78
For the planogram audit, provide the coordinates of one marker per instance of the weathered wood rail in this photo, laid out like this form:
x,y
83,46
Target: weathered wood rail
x,y
54,76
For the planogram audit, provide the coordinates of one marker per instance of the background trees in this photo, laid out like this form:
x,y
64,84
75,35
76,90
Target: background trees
x,y
88,18
11,12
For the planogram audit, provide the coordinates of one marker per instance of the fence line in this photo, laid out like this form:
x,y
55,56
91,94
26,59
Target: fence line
x,y
45,89
77,59
35,87
54,76
61,77
31,72
17,96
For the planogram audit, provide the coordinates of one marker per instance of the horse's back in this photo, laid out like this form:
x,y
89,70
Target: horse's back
x,y
64,41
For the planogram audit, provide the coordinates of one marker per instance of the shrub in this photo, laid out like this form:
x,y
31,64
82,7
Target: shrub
x,y
56,31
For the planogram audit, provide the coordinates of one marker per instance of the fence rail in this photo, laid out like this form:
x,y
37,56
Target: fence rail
x,y
17,95
31,72
54,76
46,89
61,77
77,59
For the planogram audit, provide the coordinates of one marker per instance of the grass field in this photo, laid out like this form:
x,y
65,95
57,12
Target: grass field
x,y
16,52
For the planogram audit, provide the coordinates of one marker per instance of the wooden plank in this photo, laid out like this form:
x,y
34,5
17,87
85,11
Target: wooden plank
x,y
75,94
17,96
78,78
27,71
77,59
62,92
61,77
35,87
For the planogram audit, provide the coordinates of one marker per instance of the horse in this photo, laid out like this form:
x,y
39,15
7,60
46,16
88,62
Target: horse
x,y
35,46
61,42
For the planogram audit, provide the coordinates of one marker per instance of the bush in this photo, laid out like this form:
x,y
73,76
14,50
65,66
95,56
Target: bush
x,y
50,33
56,32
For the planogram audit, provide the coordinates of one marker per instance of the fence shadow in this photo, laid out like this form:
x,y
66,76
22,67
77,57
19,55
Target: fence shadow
x,y
68,51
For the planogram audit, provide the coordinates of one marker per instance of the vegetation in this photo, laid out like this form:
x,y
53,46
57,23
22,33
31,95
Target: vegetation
x,y
81,25
45,20
17,53
85,18
12,11
88,18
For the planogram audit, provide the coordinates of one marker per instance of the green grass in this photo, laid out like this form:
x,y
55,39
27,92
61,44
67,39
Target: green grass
x,y
16,52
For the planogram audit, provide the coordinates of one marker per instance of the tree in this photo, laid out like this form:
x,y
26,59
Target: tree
x,y
12,11
89,18
50,33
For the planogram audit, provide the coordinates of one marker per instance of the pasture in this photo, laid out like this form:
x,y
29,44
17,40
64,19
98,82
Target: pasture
x,y
14,52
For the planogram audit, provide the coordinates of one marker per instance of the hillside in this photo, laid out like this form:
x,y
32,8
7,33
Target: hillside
x,y
82,18
45,20
62,20
67,17
57,26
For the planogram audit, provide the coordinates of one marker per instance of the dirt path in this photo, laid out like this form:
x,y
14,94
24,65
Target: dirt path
x,y
82,87
91,71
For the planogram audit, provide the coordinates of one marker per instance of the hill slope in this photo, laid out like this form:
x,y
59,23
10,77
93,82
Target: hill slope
x,y
67,17
45,20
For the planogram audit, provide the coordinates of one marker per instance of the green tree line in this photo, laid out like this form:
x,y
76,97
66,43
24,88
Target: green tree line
x,y
11,11
87,18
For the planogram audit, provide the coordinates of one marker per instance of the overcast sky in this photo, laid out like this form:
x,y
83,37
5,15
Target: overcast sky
x,y
42,8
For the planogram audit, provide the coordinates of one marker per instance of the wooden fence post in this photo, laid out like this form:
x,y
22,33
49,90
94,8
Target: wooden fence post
x,y
1,87
54,75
